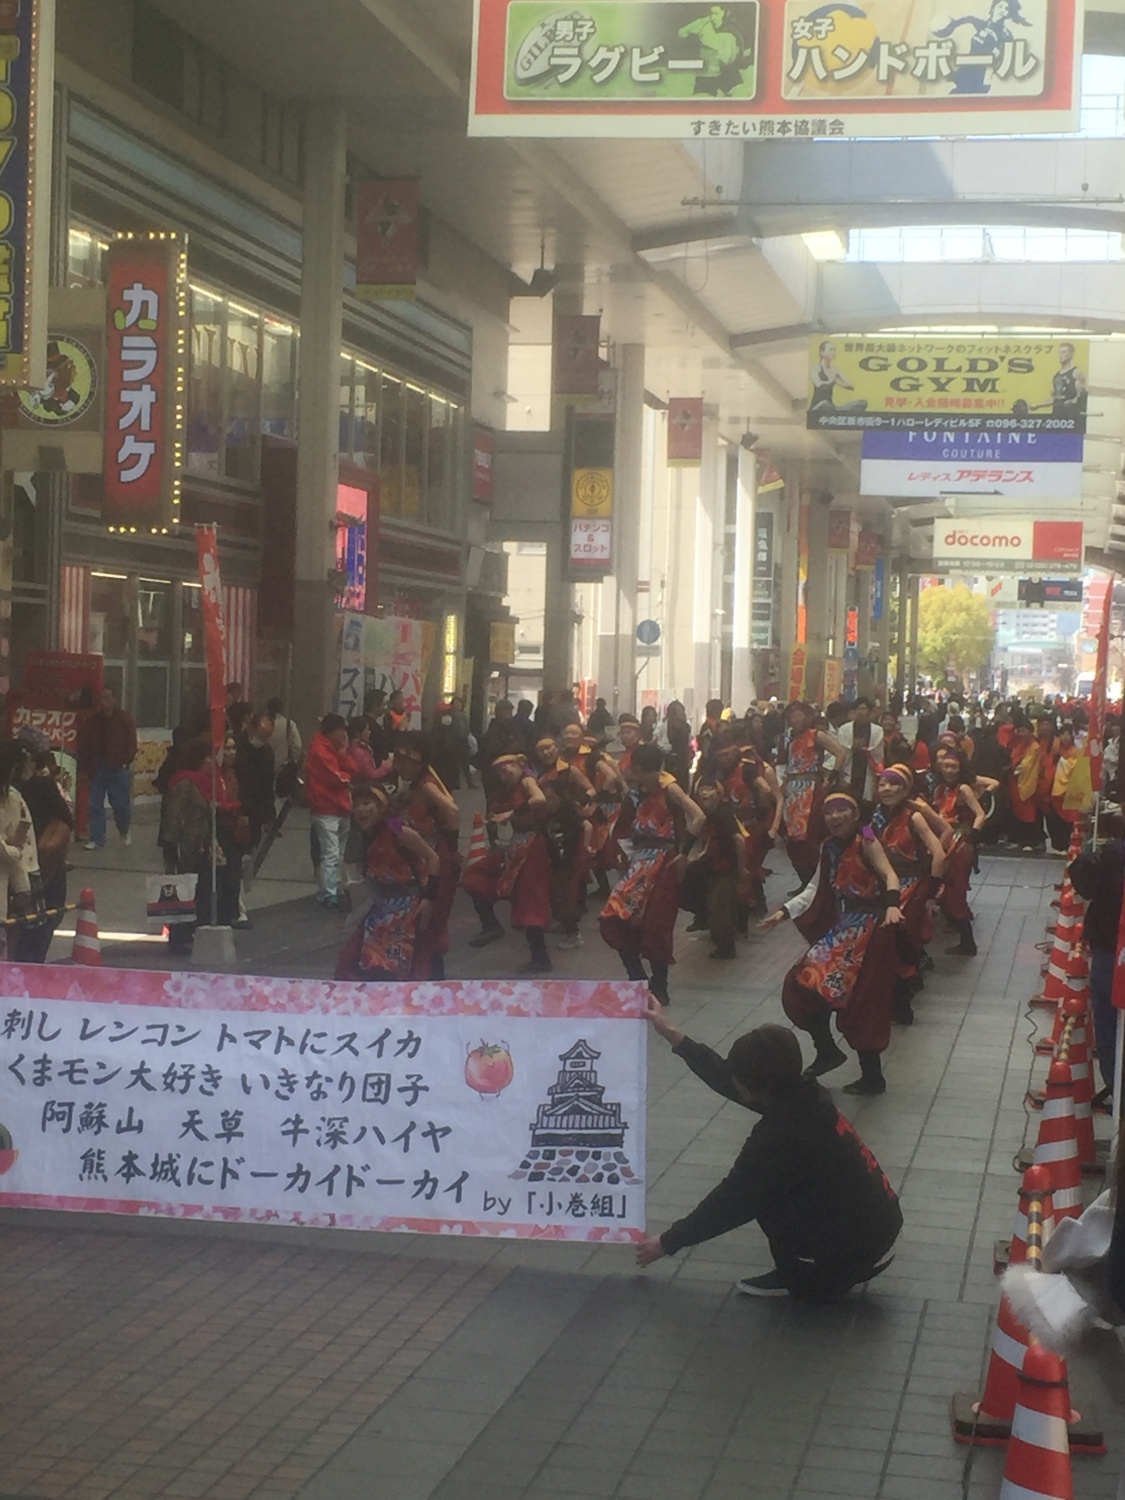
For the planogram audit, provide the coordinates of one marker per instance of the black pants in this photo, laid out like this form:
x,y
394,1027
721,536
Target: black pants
x,y
31,944
823,1279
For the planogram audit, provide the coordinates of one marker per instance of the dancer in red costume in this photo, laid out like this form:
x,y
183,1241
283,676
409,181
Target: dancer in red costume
x,y
903,827
849,915
955,799
518,871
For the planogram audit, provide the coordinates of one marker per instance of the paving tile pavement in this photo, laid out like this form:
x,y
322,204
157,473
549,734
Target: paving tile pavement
x,y
557,1371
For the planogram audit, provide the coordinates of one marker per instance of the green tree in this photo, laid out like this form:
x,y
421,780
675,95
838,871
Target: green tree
x,y
954,631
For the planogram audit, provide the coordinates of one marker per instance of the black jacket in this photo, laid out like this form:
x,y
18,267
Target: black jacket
x,y
254,770
1099,878
803,1173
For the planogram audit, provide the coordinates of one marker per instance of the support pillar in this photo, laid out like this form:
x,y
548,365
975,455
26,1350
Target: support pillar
x,y
619,674
742,689
315,663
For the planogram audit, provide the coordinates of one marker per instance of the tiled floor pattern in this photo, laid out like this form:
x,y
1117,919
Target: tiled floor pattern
x,y
469,1370
147,1367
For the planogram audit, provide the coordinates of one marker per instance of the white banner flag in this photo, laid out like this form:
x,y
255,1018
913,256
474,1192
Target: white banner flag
x,y
478,1107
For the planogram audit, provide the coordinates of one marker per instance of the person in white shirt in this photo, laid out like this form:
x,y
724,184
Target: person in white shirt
x,y
863,741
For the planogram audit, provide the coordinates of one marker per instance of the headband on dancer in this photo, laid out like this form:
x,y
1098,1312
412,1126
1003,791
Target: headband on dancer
x,y
898,773
840,797
508,760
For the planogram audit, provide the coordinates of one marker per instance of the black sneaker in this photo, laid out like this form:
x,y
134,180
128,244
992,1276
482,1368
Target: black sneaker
x,y
696,926
825,1062
772,1284
537,966
489,935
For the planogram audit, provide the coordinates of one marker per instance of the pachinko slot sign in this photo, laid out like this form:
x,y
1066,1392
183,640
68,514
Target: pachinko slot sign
x,y
145,380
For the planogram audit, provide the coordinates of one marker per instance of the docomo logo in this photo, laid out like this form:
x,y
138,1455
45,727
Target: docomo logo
x,y
955,538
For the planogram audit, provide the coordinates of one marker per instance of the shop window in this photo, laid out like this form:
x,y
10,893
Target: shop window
x,y
390,446
174,68
414,452
109,626
85,257
242,382
193,667
412,437
205,383
243,392
154,652
347,373
279,378
365,417
283,145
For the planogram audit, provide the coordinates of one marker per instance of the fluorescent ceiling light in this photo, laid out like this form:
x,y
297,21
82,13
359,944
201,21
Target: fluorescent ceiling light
x,y
826,244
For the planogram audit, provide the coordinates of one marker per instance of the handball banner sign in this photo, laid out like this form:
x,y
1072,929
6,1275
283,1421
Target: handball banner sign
x,y
948,384
480,1107
793,70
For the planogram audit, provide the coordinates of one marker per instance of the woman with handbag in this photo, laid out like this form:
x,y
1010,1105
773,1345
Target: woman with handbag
x,y
53,825
19,857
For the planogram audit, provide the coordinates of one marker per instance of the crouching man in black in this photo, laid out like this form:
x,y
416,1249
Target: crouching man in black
x,y
821,1198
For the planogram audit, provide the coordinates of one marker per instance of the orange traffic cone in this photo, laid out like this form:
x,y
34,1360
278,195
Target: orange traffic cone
x,y
1067,934
1038,1460
1034,1201
87,945
478,843
1057,1145
1076,982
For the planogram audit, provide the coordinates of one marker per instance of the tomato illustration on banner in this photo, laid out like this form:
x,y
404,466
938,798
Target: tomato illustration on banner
x,y
489,1068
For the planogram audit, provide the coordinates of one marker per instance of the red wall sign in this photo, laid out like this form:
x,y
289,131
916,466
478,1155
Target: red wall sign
x,y
144,347
483,459
685,430
386,244
577,354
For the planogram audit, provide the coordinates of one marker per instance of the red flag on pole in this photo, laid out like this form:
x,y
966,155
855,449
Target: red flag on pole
x,y
214,630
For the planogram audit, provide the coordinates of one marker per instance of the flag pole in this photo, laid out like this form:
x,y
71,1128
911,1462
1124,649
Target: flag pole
x,y
215,839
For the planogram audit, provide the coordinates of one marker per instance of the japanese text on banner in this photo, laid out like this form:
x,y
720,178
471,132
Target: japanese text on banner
x,y
477,1108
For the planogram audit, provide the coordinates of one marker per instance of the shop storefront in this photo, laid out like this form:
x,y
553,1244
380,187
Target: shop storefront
x,y
404,446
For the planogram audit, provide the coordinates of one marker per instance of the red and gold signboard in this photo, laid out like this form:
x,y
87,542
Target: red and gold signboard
x,y
577,354
145,376
387,242
839,530
685,430
867,549
798,660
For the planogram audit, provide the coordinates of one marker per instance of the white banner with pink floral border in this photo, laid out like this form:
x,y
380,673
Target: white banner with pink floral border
x,y
466,1107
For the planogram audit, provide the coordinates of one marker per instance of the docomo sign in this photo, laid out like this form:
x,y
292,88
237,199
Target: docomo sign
x,y
145,364
998,540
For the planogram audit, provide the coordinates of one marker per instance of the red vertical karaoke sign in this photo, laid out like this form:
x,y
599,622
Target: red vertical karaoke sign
x,y
214,629
143,409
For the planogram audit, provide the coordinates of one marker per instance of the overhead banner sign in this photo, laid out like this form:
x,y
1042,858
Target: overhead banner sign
x,y
999,544
1040,465
796,71
26,92
386,239
454,1108
145,360
917,383
685,430
577,357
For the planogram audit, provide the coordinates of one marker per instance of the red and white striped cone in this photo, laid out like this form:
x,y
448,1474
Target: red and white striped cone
x,y
1079,1059
87,945
1057,1145
1067,935
1038,1462
478,843
1077,982
1036,1184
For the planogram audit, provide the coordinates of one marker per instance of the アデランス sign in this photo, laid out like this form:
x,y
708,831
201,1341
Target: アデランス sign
x,y
475,1107
798,69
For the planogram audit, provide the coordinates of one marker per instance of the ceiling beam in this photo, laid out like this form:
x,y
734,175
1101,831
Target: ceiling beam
x,y
401,20
686,232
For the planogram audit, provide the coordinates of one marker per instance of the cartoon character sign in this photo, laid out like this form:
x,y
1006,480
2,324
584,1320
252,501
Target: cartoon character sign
x,y
70,387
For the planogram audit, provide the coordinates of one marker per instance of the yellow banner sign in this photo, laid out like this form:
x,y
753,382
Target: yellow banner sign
x,y
591,493
960,384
